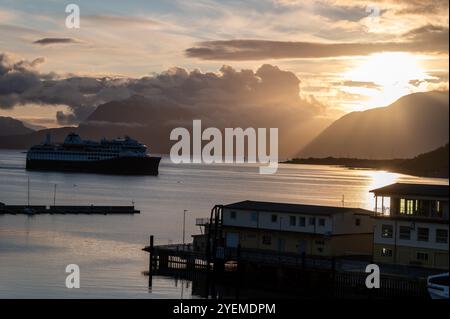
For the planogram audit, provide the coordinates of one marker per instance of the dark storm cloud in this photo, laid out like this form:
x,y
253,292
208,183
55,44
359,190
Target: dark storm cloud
x,y
48,41
428,38
230,96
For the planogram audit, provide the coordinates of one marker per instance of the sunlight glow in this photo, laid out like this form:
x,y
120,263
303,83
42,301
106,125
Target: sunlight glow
x,y
380,179
390,73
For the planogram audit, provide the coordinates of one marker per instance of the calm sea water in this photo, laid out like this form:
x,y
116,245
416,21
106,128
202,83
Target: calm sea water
x,y
34,251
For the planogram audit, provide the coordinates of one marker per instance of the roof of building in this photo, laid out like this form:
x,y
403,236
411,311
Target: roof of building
x,y
295,208
427,190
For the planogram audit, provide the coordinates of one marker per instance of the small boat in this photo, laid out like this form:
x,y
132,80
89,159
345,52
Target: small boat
x,y
438,286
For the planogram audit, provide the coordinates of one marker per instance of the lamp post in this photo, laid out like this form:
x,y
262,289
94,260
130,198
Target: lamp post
x,y
184,226
54,196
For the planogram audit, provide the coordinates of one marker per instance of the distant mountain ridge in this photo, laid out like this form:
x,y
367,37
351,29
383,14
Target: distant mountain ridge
x,y
10,126
414,124
431,164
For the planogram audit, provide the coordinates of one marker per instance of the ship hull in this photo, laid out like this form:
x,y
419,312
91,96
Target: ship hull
x,y
120,166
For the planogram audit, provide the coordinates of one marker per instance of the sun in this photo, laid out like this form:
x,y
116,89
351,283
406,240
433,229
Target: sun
x,y
388,76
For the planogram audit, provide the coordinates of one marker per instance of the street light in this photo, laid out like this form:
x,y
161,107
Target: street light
x,y
54,195
184,226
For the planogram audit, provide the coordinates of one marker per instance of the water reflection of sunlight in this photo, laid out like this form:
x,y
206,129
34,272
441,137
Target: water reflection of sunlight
x,y
380,179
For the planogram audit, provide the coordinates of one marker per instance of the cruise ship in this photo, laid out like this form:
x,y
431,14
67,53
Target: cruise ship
x,y
118,156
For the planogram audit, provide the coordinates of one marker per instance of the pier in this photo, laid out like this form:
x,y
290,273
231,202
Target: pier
x,y
242,273
66,210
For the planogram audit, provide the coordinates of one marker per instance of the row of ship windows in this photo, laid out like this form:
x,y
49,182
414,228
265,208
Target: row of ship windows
x,y
76,153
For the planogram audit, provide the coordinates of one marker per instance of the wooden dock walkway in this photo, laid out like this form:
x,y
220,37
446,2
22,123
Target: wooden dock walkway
x,y
66,210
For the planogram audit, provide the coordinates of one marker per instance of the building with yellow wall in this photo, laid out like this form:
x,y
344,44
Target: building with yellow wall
x,y
411,225
297,228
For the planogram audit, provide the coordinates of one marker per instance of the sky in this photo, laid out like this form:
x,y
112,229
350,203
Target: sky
x,y
347,55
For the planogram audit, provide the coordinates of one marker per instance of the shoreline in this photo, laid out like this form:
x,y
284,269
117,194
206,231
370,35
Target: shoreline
x,y
394,165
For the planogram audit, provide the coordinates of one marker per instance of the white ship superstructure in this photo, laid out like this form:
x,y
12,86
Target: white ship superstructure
x,y
76,149
117,156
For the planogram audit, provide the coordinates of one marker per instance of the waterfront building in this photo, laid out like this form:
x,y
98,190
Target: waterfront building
x,y
411,225
297,228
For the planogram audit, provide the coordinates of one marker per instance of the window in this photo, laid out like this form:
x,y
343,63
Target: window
x,y
322,222
402,206
274,218
411,206
267,240
302,221
292,220
386,252
233,215
405,232
408,206
422,234
357,222
386,231
442,236
422,256
312,220
254,217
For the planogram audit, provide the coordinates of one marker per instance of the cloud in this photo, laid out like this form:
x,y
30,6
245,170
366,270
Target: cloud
x,y
121,21
48,41
399,7
369,85
267,97
427,38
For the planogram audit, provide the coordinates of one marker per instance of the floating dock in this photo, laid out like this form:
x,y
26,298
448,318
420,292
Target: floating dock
x,y
66,210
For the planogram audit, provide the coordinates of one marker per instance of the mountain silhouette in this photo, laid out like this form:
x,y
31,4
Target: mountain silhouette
x,y
10,126
414,124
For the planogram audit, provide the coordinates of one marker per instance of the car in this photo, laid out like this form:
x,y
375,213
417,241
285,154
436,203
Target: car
x,y
438,286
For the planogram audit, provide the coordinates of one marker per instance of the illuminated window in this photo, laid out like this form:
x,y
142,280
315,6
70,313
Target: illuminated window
x,y
387,231
411,206
386,252
402,206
